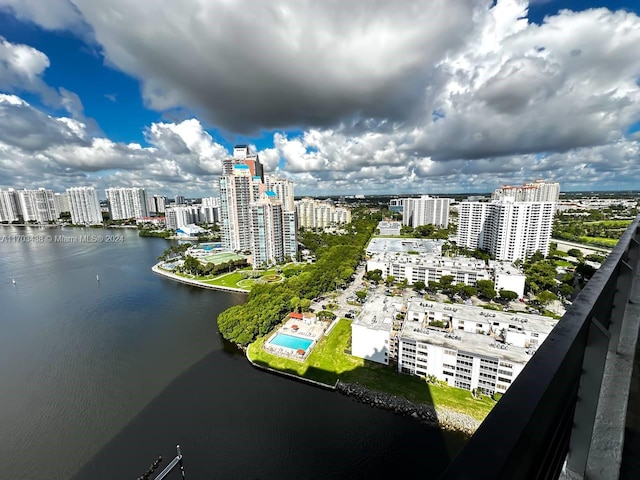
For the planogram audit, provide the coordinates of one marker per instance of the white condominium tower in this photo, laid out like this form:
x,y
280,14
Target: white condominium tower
x,y
156,204
267,230
426,210
506,229
38,205
125,203
210,209
236,196
538,191
8,206
283,188
319,214
85,206
178,216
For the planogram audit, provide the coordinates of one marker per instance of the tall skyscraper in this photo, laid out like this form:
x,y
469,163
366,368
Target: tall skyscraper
x,y
290,234
8,206
236,195
252,217
126,203
426,210
242,156
266,230
85,206
506,229
38,205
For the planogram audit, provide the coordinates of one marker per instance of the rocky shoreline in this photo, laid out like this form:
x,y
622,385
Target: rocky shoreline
x,y
441,418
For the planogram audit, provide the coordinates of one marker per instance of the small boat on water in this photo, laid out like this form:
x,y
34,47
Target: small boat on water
x,y
97,278
13,280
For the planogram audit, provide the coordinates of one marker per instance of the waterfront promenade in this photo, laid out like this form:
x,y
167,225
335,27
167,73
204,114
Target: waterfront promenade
x,y
196,283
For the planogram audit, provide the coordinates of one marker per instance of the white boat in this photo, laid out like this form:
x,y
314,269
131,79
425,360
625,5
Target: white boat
x,y
13,280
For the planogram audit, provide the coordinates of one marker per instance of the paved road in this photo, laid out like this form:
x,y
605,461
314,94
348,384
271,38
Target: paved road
x,y
339,297
565,246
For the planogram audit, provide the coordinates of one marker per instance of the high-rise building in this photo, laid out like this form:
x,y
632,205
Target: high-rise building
x,y
156,204
283,188
38,205
181,215
252,217
506,229
266,230
63,203
425,210
319,214
242,156
210,209
396,205
84,205
290,234
8,206
126,203
179,200
538,191
236,196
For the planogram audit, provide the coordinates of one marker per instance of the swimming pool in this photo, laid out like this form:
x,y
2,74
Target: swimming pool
x,y
289,341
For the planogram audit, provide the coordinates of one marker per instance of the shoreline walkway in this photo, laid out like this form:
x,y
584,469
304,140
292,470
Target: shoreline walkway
x,y
196,283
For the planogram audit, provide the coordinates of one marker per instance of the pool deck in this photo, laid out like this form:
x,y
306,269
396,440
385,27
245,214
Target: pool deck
x,y
309,329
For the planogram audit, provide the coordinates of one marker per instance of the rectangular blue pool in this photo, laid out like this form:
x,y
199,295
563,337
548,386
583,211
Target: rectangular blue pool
x,y
289,341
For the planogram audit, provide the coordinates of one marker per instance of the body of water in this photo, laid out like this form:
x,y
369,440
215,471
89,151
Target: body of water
x,y
99,377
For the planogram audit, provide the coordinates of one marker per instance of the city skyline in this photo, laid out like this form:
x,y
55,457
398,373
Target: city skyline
x,y
435,98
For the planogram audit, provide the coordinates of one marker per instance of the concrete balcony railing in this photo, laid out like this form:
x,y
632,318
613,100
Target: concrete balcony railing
x,y
564,416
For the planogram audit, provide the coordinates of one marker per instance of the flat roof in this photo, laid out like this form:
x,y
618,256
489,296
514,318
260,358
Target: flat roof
x,y
393,245
473,343
529,322
377,313
431,260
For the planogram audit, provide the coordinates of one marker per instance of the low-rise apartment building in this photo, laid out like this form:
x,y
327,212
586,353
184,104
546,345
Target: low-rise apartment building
x,y
468,347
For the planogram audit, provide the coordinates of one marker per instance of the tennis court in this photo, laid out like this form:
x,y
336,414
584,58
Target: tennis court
x,y
221,257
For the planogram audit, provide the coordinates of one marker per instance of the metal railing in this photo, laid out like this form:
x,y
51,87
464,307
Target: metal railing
x,y
545,420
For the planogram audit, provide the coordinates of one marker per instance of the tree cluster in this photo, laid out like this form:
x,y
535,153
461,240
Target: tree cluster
x,y
266,305
193,266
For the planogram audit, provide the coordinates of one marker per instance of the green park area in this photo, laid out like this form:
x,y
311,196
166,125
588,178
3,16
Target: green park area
x,y
328,362
599,241
244,278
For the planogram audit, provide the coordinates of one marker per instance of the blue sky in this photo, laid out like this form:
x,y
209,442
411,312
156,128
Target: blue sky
x,y
439,97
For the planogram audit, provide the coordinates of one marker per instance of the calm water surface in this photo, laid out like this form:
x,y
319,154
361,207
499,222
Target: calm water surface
x,y
98,378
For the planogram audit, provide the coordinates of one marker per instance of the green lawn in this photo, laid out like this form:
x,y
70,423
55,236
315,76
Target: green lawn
x,y
606,242
563,263
226,280
611,223
234,279
328,362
